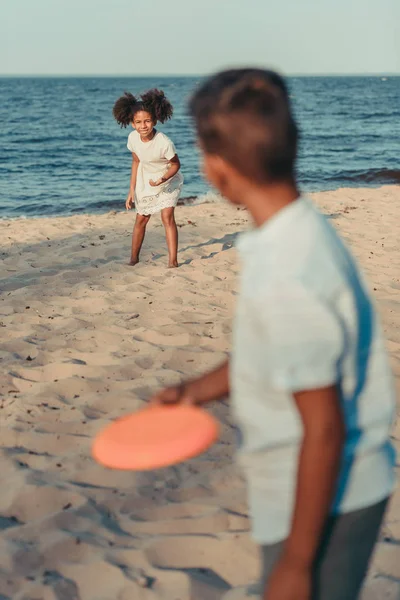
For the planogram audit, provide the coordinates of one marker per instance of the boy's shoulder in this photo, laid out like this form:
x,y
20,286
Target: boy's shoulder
x,y
288,238
298,245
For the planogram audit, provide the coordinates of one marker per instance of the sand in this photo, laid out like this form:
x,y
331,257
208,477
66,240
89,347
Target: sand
x,y
86,338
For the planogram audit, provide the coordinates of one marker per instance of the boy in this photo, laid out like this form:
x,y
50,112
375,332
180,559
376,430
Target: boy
x,y
309,380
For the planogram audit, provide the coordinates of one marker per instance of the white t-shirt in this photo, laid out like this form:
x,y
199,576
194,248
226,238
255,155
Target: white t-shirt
x,y
154,157
304,320
155,154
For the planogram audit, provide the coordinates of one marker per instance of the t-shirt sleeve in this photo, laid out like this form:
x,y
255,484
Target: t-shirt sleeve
x,y
304,338
169,149
131,144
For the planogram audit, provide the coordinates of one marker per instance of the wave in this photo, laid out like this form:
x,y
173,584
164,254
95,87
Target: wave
x,y
372,176
207,198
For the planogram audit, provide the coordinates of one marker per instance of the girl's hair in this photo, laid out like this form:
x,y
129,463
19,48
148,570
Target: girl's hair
x,y
244,116
154,102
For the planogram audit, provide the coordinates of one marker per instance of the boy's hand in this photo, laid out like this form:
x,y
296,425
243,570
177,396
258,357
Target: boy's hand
x,y
129,202
172,395
288,581
211,386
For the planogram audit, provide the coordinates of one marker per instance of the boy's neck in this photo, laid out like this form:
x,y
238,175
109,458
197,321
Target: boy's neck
x,y
263,202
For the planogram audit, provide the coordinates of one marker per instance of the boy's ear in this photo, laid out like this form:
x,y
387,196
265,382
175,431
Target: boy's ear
x,y
217,171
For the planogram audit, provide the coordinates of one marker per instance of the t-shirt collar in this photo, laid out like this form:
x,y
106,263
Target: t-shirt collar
x,y
271,229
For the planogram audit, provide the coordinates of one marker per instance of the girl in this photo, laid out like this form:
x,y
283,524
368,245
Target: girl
x,y
155,178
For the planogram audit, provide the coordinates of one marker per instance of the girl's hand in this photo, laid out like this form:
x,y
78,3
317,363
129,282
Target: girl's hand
x,y
157,183
129,202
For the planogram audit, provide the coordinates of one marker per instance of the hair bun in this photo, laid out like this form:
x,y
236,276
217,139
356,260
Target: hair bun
x,y
124,108
156,103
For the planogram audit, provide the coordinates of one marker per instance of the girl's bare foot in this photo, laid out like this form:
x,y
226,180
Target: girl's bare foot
x,y
173,264
133,262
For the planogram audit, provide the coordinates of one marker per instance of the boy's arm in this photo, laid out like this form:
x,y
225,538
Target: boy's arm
x,y
317,471
317,475
211,386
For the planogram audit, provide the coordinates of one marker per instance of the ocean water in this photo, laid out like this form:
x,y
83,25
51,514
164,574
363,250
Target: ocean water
x,y
61,152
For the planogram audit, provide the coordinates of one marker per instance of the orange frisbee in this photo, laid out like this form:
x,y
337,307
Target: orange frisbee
x,y
155,437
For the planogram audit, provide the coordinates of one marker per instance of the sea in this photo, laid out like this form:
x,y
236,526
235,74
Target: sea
x,y
62,153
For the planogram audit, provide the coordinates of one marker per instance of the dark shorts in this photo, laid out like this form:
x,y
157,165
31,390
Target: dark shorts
x,y
344,555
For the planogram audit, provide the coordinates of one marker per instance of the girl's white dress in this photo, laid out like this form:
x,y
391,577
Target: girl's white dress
x,y
154,157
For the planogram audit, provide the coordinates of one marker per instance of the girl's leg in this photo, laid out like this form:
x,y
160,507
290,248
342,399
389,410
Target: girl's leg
x,y
171,234
138,232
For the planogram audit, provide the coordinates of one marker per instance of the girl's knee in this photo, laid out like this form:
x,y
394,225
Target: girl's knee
x,y
142,220
168,218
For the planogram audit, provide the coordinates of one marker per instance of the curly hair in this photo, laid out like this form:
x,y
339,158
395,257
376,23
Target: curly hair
x,y
154,102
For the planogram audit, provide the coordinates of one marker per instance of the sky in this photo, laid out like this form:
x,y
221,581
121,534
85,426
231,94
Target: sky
x,y
174,37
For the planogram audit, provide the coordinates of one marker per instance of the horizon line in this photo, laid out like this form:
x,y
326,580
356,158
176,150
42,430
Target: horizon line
x,y
182,75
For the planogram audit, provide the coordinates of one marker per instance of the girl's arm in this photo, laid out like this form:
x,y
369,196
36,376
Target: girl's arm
x,y
135,164
175,165
131,194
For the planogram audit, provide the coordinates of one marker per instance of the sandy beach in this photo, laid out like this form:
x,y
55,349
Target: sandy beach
x,y
86,338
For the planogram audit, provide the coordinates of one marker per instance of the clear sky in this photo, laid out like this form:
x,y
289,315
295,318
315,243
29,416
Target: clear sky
x,y
130,37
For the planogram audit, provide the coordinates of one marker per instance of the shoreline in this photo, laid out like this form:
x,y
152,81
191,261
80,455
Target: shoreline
x,y
209,197
86,339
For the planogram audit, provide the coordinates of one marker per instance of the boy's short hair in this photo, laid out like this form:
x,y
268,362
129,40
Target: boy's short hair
x,y
244,116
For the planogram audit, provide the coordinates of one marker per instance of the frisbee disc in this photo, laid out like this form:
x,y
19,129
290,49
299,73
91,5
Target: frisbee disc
x,y
155,437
